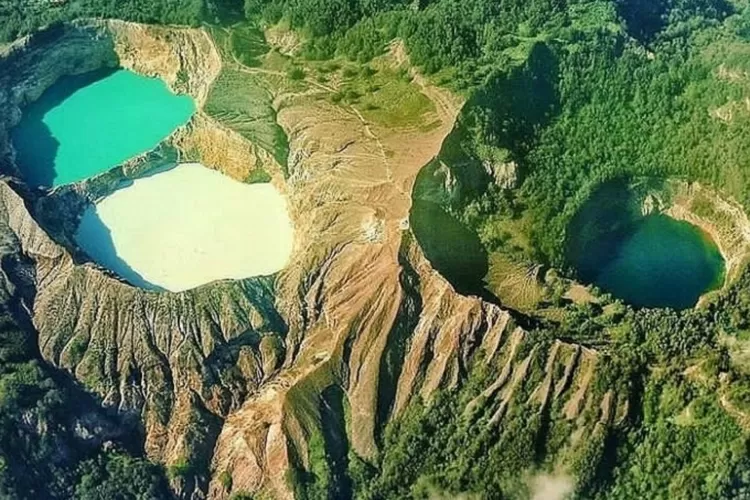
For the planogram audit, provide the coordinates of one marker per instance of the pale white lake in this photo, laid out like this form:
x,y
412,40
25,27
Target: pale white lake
x,y
186,227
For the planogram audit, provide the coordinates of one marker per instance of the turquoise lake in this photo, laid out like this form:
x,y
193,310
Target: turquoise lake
x,y
661,262
85,125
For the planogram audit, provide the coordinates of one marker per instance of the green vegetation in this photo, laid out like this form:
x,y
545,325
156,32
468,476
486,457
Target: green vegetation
x,y
239,101
180,469
588,105
120,476
247,44
387,97
316,484
258,176
44,418
241,496
22,18
571,93
296,73
225,478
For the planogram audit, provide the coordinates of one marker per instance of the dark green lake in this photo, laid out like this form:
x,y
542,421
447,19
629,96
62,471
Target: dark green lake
x,y
84,125
656,262
451,248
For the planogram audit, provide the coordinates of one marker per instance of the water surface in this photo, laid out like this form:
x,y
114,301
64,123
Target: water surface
x,y
188,226
452,249
660,262
84,125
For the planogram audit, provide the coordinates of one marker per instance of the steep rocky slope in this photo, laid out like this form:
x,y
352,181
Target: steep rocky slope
x,y
229,377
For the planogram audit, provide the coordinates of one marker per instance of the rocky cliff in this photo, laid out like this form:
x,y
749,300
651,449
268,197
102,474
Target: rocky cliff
x,y
229,377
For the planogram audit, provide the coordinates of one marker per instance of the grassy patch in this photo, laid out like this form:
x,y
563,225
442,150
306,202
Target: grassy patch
x,y
385,97
181,468
397,104
241,495
239,101
77,349
516,284
276,61
225,478
258,176
221,37
248,44
296,73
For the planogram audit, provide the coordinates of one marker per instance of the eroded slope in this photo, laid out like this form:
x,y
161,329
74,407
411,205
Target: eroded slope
x,y
229,378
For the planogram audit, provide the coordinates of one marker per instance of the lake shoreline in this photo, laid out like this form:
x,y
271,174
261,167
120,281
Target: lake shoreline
x,y
88,124
188,226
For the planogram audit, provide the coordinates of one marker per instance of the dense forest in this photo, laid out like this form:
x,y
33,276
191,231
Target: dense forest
x,y
21,18
55,440
574,93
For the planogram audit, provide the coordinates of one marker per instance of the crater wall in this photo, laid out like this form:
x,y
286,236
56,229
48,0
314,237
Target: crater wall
x,y
229,377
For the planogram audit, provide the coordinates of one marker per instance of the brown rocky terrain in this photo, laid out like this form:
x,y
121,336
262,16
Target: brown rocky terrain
x,y
229,376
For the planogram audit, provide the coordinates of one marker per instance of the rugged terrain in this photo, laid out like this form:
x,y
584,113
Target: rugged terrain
x,y
229,378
